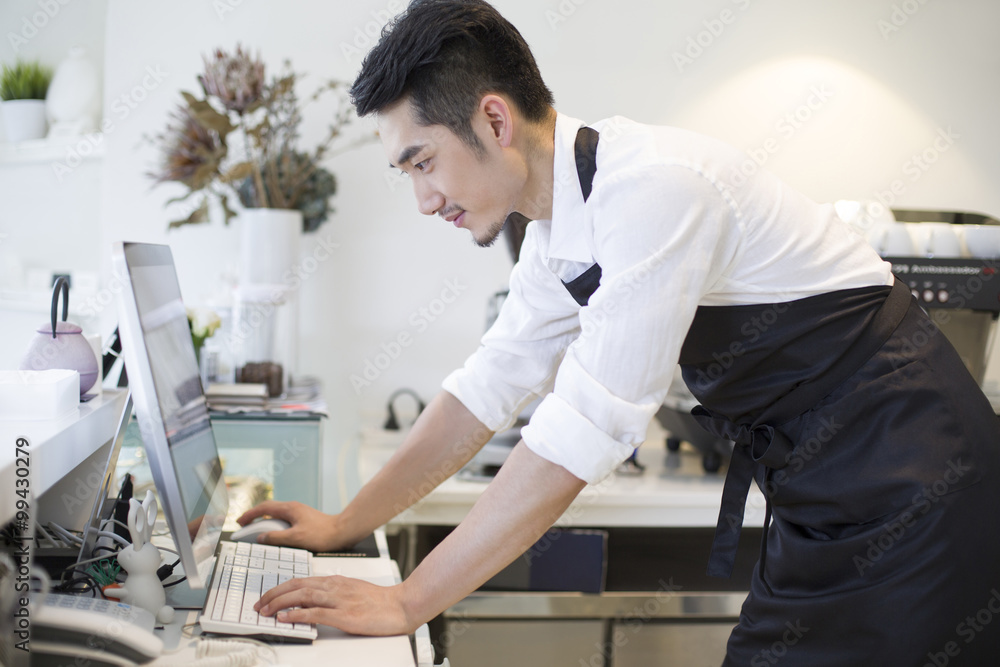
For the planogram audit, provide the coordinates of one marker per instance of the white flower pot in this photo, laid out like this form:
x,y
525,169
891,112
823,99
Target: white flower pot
x,y
23,119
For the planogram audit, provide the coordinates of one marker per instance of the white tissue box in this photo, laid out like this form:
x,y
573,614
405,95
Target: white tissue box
x,y
34,395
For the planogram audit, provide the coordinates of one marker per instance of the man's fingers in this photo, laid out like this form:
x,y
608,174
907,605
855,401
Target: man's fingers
x,y
271,507
322,615
271,594
306,592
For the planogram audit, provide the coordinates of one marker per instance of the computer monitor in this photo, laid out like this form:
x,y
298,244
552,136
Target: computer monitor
x,y
100,509
170,404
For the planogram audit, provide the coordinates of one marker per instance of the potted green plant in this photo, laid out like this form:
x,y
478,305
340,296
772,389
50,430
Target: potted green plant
x,y
22,99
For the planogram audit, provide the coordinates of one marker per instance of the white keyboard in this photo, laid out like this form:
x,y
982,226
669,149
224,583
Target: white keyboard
x,y
244,572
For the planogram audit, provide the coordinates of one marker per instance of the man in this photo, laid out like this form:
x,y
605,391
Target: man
x,y
878,456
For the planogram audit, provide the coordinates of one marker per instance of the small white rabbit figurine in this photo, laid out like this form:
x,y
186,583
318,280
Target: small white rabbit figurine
x,y
142,588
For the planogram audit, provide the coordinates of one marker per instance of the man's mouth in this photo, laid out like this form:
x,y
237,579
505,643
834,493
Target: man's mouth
x,y
456,218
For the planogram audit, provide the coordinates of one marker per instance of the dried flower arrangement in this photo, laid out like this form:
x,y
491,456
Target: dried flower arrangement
x,y
268,170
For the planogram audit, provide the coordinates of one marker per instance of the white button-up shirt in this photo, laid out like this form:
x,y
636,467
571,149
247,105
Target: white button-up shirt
x,y
675,220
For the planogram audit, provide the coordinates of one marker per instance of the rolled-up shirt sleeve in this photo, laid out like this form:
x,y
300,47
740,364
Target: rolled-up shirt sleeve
x,y
662,236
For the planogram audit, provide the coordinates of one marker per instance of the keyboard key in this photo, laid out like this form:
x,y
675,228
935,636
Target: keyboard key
x,y
243,548
301,570
287,554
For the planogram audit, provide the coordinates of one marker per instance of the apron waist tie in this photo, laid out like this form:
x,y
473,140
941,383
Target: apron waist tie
x,y
759,443
762,443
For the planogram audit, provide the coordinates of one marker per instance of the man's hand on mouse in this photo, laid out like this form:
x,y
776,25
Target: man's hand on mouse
x,y
310,529
351,605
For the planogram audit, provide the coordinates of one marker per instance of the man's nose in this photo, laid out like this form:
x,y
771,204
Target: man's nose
x,y
429,200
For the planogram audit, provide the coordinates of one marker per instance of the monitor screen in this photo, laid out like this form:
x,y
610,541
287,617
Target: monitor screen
x,y
170,403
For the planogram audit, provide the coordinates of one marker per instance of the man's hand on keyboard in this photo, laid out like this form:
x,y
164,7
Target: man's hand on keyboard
x,y
311,529
351,605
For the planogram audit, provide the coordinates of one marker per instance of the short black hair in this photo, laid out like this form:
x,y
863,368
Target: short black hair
x,y
445,55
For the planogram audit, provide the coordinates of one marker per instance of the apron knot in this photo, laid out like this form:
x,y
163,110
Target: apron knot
x,y
755,444
764,443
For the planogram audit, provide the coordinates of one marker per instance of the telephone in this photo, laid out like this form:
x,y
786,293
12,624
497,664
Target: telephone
x,y
103,633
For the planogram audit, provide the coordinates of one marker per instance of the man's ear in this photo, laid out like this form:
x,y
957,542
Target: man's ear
x,y
498,114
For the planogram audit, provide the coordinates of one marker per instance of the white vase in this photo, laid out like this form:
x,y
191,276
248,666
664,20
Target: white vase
x,y
266,314
73,101
23,119
269,245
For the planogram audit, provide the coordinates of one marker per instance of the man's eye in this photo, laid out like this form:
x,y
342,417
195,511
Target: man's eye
x,y
420,166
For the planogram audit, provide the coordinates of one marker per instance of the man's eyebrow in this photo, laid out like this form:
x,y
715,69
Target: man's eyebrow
x,y
407,155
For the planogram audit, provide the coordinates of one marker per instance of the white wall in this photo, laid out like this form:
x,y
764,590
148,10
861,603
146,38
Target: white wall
x,y
878,98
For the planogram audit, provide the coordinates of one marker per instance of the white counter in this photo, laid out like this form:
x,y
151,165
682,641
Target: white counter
x,y
674,491
57,446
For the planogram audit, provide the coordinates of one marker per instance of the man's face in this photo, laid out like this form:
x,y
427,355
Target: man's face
x,y
470,190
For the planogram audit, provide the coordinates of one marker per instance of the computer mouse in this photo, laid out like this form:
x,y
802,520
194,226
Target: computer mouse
x,y
249,532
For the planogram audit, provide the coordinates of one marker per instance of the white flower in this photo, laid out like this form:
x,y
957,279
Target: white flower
x,y
204,322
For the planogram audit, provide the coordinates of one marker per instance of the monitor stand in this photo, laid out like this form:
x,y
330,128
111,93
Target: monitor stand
x,y
182,596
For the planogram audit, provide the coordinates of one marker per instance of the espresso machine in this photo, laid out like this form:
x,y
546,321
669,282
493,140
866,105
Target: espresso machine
x,y
958,285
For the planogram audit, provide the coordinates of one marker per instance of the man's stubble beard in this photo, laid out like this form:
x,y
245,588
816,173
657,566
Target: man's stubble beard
x,y
492,234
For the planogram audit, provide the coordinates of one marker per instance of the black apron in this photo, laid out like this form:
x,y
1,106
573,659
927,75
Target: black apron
x,y
879,459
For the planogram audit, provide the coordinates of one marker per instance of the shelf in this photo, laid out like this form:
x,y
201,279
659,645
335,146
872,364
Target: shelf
x,y
84,147
40,302
57,445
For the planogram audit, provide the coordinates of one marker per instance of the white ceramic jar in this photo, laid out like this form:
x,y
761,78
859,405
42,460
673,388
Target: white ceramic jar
x,y
74,98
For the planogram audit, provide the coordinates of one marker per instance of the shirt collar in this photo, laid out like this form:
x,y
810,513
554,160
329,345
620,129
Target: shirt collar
x,y
568,238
